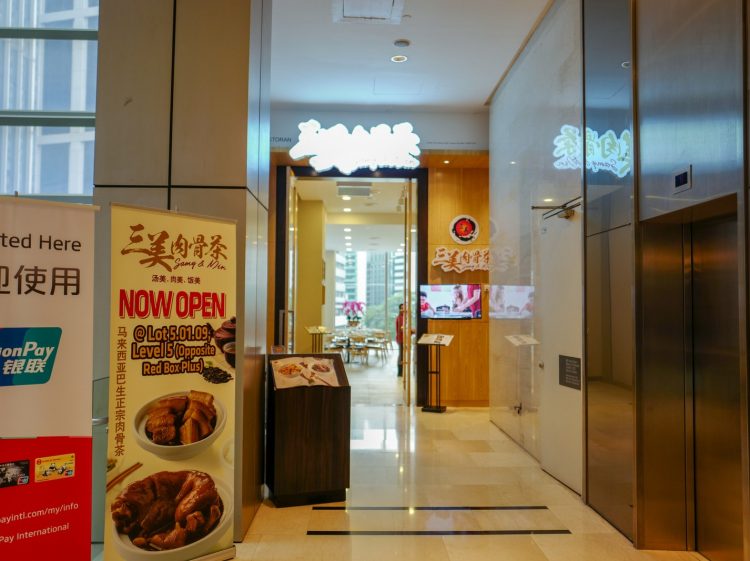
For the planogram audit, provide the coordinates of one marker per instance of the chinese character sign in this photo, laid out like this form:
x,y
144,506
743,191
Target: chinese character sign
x,y
458,260
46,328
172,391
606,152
46,332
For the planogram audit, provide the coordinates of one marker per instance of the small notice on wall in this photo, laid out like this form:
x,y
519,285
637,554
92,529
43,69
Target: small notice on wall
x,y
521,340
570,372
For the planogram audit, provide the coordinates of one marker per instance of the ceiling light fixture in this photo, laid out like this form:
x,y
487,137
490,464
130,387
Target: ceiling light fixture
x,y
548,200
446,161
347,210
413,230
346,198
399,58
348,249
347,237
348,243
347,229
401,43
512,162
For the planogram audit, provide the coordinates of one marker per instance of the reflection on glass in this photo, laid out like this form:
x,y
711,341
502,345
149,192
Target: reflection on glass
x,y
604,152
511,302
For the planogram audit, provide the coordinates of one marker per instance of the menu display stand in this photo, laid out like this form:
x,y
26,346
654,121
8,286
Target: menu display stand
x,y
317,332
434,342
307,439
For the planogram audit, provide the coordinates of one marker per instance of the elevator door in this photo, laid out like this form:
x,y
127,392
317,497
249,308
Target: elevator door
x,y
718,461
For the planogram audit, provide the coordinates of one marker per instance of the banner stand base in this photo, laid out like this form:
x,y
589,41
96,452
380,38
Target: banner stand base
x,y
223,555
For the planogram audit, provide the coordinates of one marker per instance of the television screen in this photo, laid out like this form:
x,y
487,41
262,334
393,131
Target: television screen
x,y
511,302
450,301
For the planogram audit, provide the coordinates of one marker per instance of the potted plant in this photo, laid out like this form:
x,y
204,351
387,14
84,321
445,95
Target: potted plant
x,y
354,312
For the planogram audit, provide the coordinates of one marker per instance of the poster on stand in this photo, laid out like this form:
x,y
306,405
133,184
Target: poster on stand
x,y
46,332
170,487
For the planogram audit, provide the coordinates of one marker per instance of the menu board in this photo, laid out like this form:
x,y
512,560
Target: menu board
x,y
46,332
295,371
435,339
172,385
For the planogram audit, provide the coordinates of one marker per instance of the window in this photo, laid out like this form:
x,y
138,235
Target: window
x,y
48,58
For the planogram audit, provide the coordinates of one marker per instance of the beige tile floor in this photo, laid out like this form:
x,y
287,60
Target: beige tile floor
x,y
402,457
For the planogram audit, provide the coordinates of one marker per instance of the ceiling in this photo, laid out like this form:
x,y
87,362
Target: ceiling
x,y
458,52
384,199
376,223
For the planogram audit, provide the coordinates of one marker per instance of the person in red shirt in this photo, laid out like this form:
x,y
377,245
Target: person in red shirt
x,y
400,337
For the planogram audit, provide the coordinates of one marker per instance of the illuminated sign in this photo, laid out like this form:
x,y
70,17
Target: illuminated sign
x,y
606,152
337,147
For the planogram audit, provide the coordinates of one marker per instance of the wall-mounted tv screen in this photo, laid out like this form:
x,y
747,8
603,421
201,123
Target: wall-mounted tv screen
x,y
450,301
511,302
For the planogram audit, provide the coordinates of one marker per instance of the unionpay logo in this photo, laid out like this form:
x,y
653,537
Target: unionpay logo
x,y
27,354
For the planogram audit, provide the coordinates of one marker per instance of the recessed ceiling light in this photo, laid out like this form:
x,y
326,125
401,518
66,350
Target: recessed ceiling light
x,y
347,210
291,229
346,198
446,161
347,237
403,245
347,229
413,230
348,249
348,243
402,43
399,58
548,200
513,163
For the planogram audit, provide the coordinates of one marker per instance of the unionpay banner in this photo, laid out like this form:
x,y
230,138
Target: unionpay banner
x,y
46,329
172,393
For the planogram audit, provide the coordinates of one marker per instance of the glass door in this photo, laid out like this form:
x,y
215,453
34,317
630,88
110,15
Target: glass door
x,y
410,236
286,316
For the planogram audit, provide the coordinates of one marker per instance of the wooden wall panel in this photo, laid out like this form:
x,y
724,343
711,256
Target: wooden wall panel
x,y
465,364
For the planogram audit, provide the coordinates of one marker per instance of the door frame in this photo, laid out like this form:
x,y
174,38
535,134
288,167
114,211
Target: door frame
x,y
421,176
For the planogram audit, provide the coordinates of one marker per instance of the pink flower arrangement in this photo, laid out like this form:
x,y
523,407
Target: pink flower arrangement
x,y
353,310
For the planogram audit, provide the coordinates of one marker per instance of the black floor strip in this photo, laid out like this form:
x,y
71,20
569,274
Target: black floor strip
x,y
436,532
430,508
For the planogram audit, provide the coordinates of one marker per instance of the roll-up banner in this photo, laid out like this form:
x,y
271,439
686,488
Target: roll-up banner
x,y
46,331
172,394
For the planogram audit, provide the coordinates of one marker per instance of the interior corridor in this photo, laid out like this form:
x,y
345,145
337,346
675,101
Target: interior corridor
x,y
440,487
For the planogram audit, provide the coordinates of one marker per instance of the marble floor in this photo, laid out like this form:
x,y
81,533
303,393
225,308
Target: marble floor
x,y
447,487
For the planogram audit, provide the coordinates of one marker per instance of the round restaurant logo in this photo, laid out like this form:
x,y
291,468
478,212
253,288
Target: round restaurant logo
x,y
464,229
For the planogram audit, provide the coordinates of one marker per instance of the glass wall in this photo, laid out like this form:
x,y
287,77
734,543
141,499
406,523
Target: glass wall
x,y
535,168
377,279
48,58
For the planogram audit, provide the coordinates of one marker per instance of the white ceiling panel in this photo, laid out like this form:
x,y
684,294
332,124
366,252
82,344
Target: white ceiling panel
x,y
459,50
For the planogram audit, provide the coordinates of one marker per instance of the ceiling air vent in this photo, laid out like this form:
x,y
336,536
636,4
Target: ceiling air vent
x,y
354,189
368,11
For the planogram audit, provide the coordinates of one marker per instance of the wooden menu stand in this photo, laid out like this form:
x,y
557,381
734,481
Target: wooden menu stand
x,y
434,342
317,332
307,439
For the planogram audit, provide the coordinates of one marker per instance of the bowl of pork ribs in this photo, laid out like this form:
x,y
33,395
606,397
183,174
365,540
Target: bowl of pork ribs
x,y
180,425
170,516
